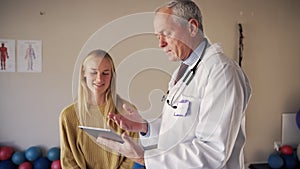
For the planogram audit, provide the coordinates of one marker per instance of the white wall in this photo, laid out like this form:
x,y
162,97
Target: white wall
x,y
31,102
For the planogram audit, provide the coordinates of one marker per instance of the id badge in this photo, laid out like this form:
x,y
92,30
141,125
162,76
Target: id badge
x,y
182,108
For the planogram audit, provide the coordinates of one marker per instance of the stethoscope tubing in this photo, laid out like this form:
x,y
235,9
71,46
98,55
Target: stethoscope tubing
x,y
186,80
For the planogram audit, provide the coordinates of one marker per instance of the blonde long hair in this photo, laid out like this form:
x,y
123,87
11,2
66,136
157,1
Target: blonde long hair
x,y
82,107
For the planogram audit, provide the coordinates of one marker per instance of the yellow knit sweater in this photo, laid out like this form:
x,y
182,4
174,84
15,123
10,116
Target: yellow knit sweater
x,y
80,151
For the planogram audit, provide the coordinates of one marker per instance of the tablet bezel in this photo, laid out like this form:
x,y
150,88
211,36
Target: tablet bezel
x,y
101,132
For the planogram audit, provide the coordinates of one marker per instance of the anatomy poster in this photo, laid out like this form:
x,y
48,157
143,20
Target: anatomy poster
x,y
29,56
8,55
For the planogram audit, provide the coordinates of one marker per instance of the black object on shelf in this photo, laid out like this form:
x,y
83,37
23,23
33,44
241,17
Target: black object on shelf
x,y
266,166
259,166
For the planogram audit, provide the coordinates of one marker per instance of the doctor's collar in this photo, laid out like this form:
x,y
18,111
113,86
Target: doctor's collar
x,y
194,56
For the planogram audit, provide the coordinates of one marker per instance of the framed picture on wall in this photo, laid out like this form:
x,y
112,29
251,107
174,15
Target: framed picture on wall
x,y
8,55
29,56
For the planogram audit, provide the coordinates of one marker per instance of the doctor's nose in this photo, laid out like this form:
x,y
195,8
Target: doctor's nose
x,y
162,41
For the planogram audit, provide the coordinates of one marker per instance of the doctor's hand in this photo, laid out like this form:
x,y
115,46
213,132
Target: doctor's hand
x,y
129,148
130,121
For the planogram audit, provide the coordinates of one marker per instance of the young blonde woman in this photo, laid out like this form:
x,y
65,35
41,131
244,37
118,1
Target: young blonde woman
x,y
96,98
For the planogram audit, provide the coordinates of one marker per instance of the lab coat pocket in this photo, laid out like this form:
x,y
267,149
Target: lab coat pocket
x,y
182,108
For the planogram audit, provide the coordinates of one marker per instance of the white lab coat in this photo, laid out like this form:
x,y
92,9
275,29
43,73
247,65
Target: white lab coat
x,y
210,134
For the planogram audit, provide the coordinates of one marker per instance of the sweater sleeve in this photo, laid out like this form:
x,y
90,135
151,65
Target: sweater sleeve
x,y
70,156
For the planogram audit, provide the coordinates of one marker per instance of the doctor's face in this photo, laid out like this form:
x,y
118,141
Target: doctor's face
x,y
98,74
173,37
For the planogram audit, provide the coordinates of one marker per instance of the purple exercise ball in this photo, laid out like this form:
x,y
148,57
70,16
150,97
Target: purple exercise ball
x,y
298,119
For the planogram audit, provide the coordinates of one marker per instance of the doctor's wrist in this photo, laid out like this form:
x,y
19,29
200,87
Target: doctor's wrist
x,y
140,161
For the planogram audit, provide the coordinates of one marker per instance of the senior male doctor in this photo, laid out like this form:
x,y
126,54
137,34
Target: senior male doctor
x,y
203,118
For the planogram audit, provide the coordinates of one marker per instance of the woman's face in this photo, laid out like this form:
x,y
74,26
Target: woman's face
x,y
98,74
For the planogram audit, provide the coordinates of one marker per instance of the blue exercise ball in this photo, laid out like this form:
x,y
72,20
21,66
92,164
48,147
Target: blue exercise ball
x,y
33,153
7,164
275,161
18,157
42,163
53,153
290,161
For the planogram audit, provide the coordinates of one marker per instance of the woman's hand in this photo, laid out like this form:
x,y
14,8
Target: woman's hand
x,y
129,148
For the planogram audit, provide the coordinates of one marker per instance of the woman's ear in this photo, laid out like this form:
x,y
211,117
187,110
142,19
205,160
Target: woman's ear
x,y
193,27
83,74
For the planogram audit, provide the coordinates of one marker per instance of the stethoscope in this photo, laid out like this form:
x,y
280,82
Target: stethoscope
x,y
186,80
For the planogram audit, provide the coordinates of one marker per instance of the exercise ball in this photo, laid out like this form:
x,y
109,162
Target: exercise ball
x,y
25,165
18,157
53,154
287,150
56,164
6,152
275,161
298,119
7,164
42,163
290,161
33,153
298,152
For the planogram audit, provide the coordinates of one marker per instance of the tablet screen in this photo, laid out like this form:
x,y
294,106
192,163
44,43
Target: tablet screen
x,y
101,132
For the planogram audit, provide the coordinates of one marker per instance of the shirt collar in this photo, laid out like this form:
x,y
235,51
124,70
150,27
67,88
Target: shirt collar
x,y
194,56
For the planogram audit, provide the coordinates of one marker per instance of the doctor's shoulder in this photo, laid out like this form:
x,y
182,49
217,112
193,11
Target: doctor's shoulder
x,y
217,59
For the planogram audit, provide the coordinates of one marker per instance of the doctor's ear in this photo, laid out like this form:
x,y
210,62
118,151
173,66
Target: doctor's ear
x,y
193,27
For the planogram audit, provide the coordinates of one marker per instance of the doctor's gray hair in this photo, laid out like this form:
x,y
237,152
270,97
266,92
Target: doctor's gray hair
x,y
185,9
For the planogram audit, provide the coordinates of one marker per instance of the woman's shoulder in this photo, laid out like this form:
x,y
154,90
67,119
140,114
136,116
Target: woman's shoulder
x,y
68,110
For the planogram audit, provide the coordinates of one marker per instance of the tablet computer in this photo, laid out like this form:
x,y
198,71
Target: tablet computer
x,y
101,132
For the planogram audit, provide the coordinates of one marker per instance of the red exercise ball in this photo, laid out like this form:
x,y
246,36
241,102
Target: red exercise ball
x,y
25,165
287,150
6,152
56,164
